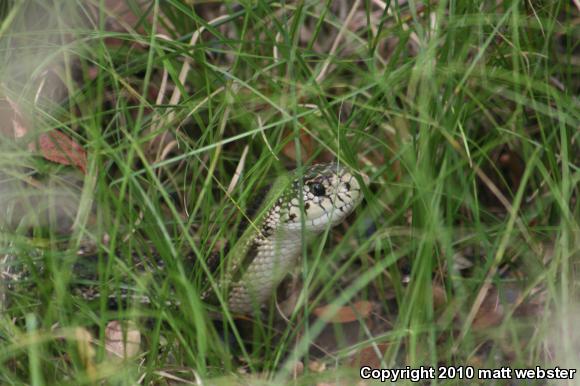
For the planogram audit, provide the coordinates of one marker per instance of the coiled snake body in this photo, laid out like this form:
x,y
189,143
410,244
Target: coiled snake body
x,y
296,207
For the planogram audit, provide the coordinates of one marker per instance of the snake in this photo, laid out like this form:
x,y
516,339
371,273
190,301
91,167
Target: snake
x,y
295,208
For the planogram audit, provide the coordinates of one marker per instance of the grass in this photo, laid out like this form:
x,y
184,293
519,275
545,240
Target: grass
x,y
464,114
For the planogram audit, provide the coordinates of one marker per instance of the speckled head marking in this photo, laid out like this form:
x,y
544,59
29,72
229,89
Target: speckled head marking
x,y
329,193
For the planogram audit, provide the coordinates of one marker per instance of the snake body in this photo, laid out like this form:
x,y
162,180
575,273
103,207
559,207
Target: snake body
x,y
320,198
270,247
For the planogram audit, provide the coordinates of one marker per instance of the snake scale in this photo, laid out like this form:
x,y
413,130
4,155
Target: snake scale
x,y
320,197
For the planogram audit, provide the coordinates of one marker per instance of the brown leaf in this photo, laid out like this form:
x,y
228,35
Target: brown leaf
x,y
491,312
316,366
306,146
298,369
122,341
369,356
12,124
347,314
439,295
58,147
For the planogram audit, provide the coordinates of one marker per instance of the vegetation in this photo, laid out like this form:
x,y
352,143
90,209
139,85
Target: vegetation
x,y
129,127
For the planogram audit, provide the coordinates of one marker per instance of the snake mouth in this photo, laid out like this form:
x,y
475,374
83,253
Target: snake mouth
x,y
330,218
320,217
326,220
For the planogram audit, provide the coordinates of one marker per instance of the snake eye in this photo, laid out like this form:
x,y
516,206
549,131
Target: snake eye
x,y
317,189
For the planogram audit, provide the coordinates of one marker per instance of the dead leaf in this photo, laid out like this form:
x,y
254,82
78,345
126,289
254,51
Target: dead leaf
x,y
369,356
306,146
297,369
347,314
439,295
12,123
490,313
122,340
316,366
60,148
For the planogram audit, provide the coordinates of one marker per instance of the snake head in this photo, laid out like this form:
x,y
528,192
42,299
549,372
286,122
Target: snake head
x,y
330,192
